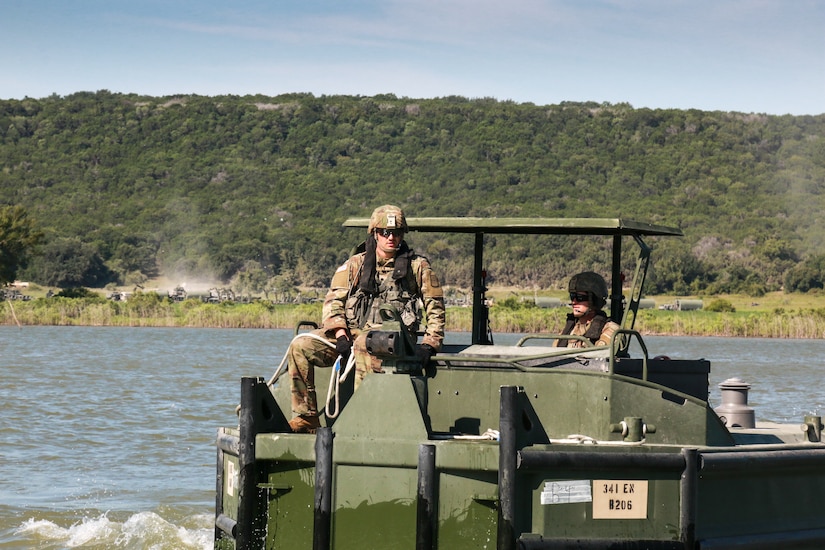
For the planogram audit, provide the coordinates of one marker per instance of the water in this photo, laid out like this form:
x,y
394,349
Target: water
x,y
107,433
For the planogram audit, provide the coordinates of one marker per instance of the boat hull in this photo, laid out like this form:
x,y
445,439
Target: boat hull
x,y
410,462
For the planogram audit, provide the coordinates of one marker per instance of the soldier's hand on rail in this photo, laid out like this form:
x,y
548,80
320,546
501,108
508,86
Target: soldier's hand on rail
x,y
343,346
424,352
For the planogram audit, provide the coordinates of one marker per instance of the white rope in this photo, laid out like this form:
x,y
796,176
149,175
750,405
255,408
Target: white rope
x,y
279,370
489,435
580,439
335,383
334,380
587,440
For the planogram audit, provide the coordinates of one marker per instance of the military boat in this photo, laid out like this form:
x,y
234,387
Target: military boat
x,y
521,446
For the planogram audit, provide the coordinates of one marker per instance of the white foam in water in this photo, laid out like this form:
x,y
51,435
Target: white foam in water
x,y
86,532
144,530
41,528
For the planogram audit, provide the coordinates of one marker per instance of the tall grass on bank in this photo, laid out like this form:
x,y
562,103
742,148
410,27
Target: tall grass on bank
x,y
808,323
151,311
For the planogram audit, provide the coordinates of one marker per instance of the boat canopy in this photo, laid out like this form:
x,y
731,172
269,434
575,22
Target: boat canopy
x,y
615,227
530,226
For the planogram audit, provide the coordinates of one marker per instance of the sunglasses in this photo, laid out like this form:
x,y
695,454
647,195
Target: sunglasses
x,y
579,297
387,232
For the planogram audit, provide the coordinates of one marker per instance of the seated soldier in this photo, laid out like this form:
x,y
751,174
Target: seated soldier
x,y
387,271
588,295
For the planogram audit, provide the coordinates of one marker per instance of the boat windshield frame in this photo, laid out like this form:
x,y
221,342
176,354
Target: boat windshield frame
x,y
611,227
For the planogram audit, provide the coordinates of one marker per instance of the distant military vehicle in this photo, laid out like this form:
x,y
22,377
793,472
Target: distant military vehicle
x,y
13,294
218,295
118,296
178,294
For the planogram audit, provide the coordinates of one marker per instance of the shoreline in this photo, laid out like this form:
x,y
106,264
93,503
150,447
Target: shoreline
x,y
785,324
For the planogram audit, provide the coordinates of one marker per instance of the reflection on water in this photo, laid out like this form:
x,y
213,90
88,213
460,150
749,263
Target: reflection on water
x,y
108,432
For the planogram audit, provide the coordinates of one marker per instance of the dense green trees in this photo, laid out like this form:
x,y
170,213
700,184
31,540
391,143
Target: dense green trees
x,y
69,262
256,187
807,275
18,237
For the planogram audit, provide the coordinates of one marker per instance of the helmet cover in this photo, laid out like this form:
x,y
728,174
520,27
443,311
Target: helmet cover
x,y
387,217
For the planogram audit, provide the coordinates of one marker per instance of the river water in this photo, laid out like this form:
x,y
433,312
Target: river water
x,y
108,433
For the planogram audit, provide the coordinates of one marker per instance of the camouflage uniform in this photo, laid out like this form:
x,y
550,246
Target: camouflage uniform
x,y
417,293
581,329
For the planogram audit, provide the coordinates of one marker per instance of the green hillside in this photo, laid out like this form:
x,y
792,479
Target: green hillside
x,y
253,190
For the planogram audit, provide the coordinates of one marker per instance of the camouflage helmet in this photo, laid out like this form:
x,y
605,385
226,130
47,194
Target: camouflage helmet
x,y
592,283
387,217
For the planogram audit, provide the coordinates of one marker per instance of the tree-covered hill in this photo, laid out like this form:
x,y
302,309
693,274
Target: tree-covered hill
x,y
255,188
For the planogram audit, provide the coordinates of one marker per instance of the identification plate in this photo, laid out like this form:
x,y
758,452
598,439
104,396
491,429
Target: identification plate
x,y
619,499
230,478
566,492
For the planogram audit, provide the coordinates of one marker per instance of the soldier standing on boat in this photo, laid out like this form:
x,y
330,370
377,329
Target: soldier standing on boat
x,y
588,295
383,271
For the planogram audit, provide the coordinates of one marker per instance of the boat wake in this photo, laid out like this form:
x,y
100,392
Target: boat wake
x,y
139,531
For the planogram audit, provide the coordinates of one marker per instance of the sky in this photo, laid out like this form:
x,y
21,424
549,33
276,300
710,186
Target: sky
x,y
752,56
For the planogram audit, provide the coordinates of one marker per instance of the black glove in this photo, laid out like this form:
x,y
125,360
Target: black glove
x,y
343,346
424,352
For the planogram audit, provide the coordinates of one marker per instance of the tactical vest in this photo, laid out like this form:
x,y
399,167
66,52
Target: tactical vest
x,y
593,332
403,294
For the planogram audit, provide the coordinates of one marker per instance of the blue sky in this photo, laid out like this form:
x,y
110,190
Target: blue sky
x,y
764,56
